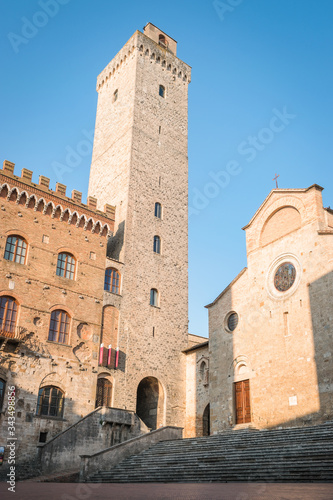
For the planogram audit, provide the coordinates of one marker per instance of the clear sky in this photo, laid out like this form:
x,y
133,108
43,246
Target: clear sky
x,y
260,103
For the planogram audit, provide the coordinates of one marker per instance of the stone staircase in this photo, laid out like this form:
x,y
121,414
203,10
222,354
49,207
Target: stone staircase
x,y
282,455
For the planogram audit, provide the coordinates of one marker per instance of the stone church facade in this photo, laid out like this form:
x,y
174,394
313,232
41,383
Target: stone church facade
x,y
270,330
94,297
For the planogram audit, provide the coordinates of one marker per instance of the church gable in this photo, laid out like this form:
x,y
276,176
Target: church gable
x,y
284,211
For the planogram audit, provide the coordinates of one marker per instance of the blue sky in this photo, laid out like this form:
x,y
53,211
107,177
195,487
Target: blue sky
x,y
252,60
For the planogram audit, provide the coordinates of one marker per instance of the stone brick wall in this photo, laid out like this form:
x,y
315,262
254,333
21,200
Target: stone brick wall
x,y
283,341
32,361
97,431
197,388
140,158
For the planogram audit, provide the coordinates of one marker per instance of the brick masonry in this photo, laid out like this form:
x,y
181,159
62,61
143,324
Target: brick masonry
x,y
50,223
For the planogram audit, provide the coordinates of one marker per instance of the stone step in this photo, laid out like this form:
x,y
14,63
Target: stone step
x,y
303,454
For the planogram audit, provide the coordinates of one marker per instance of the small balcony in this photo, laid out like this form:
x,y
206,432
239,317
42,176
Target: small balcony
x,y
15,333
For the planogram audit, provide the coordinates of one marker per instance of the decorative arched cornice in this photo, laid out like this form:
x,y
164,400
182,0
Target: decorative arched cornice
x,y
49,208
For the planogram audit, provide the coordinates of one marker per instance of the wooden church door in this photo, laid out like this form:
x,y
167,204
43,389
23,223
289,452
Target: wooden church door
x,y
242,397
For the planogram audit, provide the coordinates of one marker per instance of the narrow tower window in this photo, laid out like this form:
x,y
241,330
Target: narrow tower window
x,y
154,297
162,91
157,244
115,95
158,210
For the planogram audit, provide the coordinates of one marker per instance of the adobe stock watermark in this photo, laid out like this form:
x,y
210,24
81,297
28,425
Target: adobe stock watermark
x,y
74,156
31,27
11,439
223,8
247,149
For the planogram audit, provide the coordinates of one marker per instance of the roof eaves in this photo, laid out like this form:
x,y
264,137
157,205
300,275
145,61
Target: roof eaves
x,y
227,288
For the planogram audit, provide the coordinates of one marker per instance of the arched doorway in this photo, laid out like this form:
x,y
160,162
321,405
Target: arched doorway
x,y
103,393
150,402
206,421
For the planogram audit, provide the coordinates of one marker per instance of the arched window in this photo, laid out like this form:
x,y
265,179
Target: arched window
x,y
103,394
16,249
162,41
112,280
8,314
161,91
66,265
50,402
154,297
2,392
115,95
158,210
157,244
59,326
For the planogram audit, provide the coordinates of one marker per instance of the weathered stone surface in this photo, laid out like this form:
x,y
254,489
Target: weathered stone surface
x,y
140,158
283,341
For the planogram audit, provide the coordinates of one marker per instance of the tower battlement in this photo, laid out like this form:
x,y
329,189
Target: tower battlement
x,y
148,46
41,198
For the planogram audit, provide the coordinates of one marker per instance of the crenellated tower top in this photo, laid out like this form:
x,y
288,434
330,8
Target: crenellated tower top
x,y
155,45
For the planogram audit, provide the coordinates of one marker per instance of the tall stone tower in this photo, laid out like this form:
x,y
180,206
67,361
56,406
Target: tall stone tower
x,y
140,164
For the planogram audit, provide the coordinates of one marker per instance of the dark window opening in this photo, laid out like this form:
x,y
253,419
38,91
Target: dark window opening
x,y
162,91
158,207
2,392
42,437
59,326
50,402
8,313
157,244
16,249
162,41
154,297
112,280
232,322
115,95
66,265
104,392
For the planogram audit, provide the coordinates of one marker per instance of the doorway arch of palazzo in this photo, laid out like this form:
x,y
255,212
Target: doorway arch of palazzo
x,y
150,402
206,421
